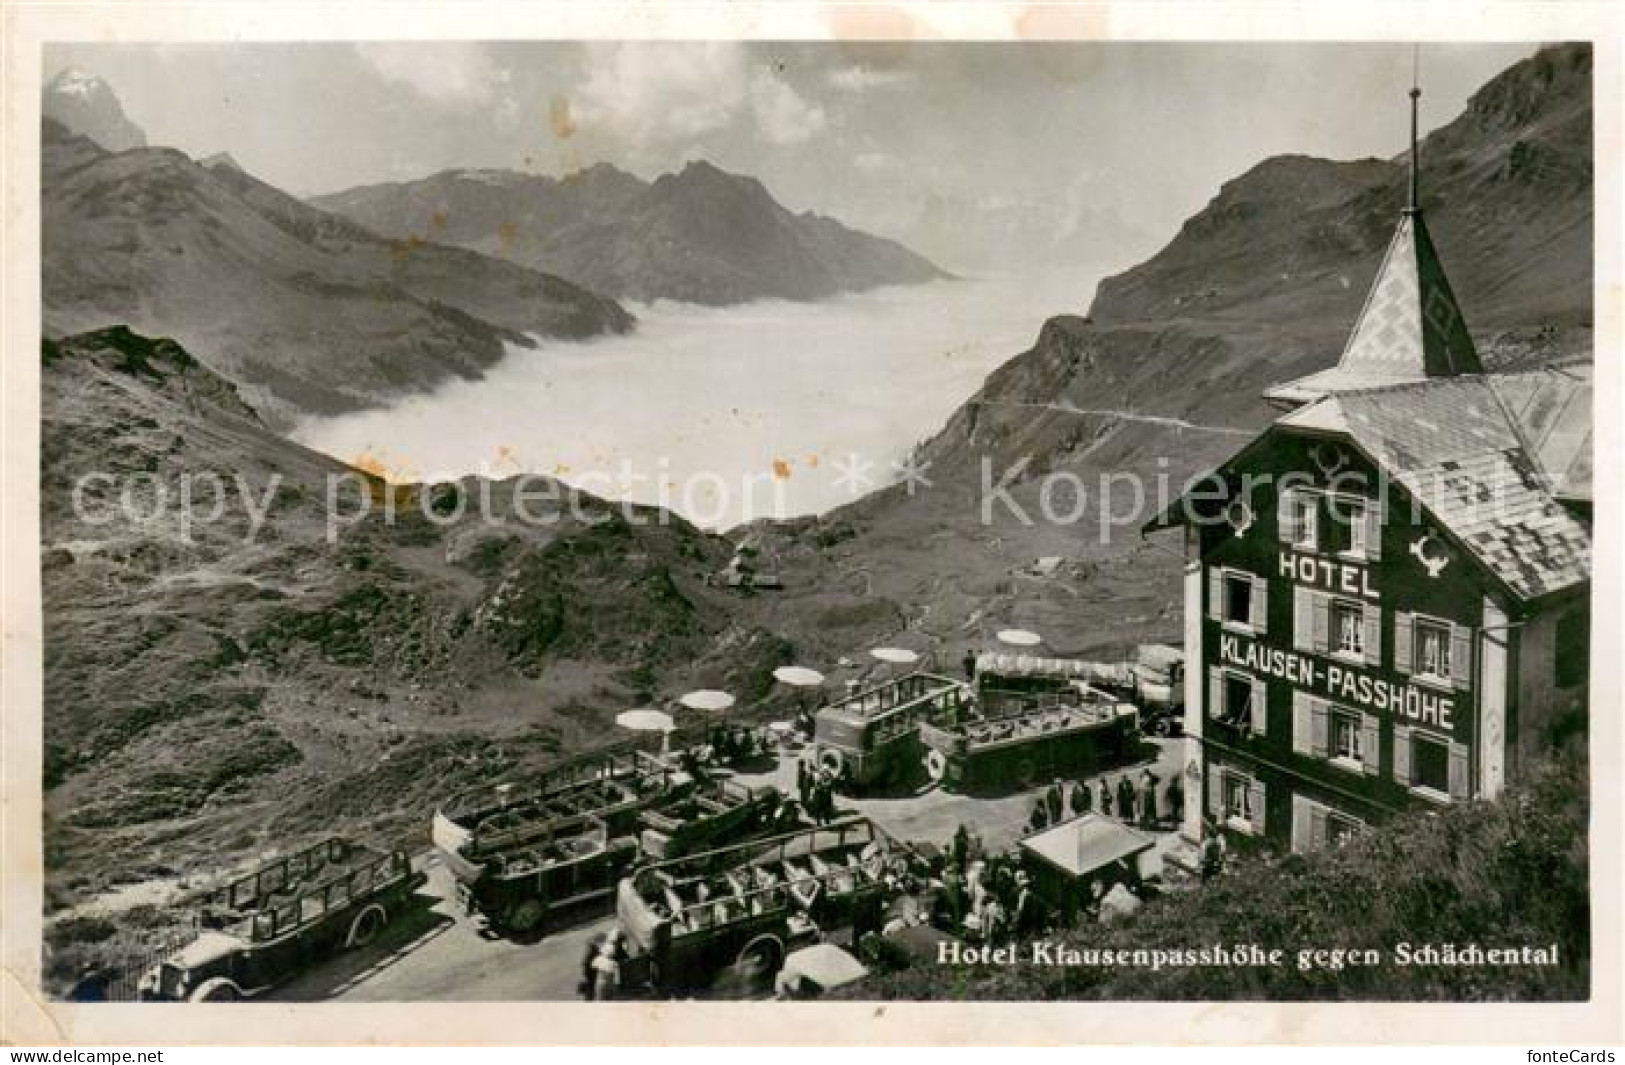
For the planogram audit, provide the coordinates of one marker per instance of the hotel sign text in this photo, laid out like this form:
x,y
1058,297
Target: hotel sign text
x,y
1327,574
1340,683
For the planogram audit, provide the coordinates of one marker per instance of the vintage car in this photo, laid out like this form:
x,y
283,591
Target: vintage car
x,y
872,738
268,926
687,920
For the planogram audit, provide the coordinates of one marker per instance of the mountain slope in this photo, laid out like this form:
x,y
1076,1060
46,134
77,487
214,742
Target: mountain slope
x,y
701,235
1162,378
215,685
87,105
310,312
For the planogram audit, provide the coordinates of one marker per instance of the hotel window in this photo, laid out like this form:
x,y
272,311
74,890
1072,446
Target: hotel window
x,y
1238,599
1336,626
1316,825
1342,735
1346,736
1237,699
1298,516
1430,764
1348,628
1353,527
1434,765
1235,798
1433,650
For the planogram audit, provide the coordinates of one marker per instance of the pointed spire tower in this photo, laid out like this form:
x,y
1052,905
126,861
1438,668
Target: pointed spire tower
x,y
1410,328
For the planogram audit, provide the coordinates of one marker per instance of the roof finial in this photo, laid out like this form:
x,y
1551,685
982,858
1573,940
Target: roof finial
x,y
1415,205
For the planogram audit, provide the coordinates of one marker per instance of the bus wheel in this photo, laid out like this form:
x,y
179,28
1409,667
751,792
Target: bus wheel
x,y
366,926
936,765
527,916
763,955
216,989
1025,772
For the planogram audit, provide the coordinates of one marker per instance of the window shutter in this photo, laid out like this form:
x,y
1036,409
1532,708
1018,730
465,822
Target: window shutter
x,y
1260,707
1404,642
1370,739
1301,843
1372,617
1215,692
1402,755
1286,516
1257,797
1459,776
1461,656
1215,593
1302,712
1373,529
1215,790
1303,618
1323,622
1259,607
1317,827
1319,728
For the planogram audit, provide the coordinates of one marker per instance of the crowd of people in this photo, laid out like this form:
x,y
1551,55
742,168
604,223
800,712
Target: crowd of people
x,y
1143,801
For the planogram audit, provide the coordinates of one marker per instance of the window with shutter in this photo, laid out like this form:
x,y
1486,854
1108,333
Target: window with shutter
x,y
1319,728
1301,842
1373,634
1322,640
1303,618
1260,608
1373,530
1259,704
1461,656
1302,715
1370,737
1317,826
1256,806
1286,516
1348,628
1460,772
1430,764
1402,755
1355,512
1403,645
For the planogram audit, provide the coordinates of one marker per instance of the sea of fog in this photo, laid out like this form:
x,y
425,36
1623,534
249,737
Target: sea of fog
x,y
770,409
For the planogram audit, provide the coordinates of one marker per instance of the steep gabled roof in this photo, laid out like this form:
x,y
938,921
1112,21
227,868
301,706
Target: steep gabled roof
x,y
1453,446
1410,328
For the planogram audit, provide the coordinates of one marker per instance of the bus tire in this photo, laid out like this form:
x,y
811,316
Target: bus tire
x,y
832,762
527,915
216,989
936,765
1025,772
366,926
765,952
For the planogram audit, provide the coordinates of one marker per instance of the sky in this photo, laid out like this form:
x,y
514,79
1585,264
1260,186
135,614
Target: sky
x,y
977,155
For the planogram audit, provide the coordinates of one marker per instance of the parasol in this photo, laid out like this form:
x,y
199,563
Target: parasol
x,y
1020,638
707,699
798,676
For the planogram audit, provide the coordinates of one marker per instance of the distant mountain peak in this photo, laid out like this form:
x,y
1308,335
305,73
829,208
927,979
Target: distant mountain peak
x,y
223,159
87,105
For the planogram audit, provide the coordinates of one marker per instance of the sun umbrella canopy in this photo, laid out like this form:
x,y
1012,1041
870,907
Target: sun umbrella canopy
x,y
645,720
707,699
1020,638
900,655
798,676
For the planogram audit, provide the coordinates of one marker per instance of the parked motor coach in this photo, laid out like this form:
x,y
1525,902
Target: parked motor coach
x,y
268,926
872,738
747,906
